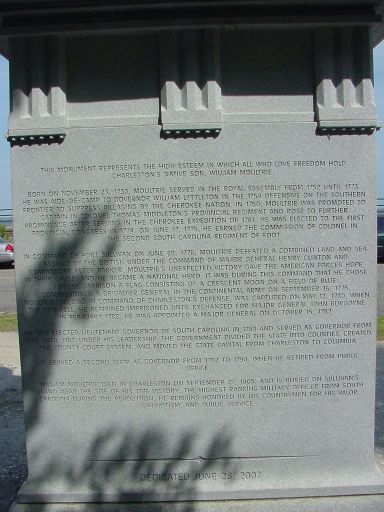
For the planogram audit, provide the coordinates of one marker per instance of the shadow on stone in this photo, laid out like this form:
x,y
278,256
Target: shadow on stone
x,y
54,281
113,458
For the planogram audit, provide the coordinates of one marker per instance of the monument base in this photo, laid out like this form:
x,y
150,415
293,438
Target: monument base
x,y
360,503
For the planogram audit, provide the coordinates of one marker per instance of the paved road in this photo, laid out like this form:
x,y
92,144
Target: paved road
x,y
380,290
7,290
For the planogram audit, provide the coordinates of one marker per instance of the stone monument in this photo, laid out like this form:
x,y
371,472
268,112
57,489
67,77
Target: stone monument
x,y
194,219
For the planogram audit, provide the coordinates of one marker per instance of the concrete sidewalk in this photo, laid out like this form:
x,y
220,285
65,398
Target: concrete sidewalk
x,y
13,461
9,362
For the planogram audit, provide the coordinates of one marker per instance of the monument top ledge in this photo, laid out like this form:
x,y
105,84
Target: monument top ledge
x,y
33,17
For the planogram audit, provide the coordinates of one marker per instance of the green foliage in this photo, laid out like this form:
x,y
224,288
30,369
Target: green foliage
x,y
8,322
3,232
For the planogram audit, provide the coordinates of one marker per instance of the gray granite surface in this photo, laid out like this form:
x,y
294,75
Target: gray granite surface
x,y
196,267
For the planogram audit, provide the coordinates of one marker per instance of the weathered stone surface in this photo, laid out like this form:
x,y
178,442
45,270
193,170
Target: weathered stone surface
x,y
198,325
197,301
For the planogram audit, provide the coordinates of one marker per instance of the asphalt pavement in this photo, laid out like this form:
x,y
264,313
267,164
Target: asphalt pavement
x,y
380,290
7,290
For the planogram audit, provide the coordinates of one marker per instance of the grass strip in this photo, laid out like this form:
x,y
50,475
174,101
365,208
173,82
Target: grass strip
x,y
380,328
8,322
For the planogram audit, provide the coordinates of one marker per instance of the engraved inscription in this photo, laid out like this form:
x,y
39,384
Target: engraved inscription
x,y
206,289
